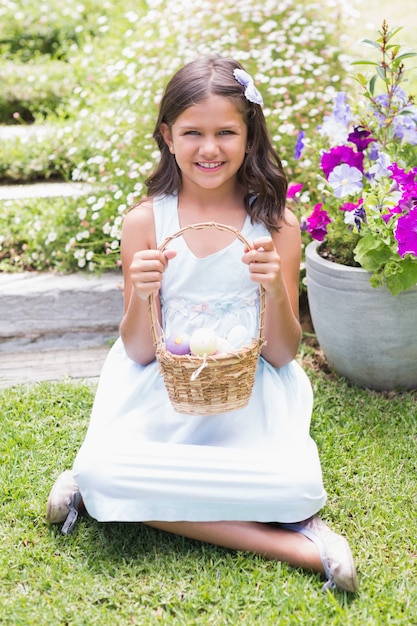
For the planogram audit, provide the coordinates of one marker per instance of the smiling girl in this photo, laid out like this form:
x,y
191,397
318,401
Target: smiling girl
x,y
249,479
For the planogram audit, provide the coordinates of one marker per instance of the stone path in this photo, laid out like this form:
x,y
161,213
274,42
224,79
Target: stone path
x,y
43,190
51,365
54,326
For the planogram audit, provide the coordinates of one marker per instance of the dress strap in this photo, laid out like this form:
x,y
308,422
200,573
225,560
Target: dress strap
x,y
165,211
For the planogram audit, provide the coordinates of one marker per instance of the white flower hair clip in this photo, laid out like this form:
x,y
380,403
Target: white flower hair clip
x,y
251,93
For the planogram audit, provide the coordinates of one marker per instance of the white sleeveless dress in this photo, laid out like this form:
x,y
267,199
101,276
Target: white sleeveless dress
x,y
141,460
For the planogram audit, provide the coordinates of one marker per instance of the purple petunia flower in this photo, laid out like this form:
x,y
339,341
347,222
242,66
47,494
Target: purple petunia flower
x,y
406,233
299,145
341,110
374,151
337,156
335,126
405,128
380,168
361,138
317,223
355,214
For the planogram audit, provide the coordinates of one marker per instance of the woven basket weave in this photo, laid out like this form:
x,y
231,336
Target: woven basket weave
x,y
225,381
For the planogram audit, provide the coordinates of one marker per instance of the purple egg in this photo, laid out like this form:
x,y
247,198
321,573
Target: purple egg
x,y
178,343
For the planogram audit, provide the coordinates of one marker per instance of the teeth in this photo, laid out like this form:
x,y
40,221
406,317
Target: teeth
x,y
209,165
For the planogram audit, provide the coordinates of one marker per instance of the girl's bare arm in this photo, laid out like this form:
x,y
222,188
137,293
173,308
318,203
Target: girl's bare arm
x,y
275,262
143,267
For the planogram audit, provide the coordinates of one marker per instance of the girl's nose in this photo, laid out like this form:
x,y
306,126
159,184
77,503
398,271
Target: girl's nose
x,y
209,146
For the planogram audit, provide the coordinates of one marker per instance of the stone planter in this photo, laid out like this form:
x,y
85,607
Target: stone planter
x,y
366,334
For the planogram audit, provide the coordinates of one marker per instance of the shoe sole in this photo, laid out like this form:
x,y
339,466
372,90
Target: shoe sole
x,y
56,514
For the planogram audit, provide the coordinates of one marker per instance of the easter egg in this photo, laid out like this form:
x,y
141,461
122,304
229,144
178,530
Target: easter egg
x,y
239,336
203,341
178,343
223,346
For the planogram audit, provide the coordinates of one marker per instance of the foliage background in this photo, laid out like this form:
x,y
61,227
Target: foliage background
x,y
90,77
85,79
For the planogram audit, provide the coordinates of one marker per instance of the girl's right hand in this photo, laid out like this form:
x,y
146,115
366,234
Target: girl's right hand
x,y
146,271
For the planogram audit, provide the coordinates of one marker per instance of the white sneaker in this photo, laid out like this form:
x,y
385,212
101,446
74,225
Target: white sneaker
x,y
63,502
335,553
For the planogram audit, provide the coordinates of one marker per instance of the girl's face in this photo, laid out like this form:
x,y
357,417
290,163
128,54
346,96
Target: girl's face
x,y
209,140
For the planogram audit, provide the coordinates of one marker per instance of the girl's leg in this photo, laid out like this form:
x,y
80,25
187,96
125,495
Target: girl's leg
x,y
310,544
270,541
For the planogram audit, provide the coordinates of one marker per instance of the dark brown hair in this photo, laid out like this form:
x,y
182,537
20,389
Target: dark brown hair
x,y
261,172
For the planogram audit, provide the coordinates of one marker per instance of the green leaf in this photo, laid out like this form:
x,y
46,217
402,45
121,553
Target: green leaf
x,y
361,79
374,44
372,84
406,55
381,73
405,280
365,63
393,32
393,46
371,254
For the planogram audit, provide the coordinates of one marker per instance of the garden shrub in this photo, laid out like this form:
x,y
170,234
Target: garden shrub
x,y
29,28
51,232
34,89
121,66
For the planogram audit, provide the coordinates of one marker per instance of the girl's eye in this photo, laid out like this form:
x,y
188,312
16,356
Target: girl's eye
x,y
221,132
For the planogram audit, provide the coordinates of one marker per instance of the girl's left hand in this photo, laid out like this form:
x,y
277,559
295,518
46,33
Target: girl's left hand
x,y
265,265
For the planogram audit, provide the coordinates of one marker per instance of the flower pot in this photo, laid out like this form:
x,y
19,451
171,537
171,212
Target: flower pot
x,y
366,334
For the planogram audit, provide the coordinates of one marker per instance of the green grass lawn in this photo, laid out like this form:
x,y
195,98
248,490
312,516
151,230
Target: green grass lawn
x,y
121,574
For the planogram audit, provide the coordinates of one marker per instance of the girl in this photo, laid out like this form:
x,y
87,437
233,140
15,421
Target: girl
x,y
249,479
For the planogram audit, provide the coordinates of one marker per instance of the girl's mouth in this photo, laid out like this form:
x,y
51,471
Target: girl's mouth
x,y
210,165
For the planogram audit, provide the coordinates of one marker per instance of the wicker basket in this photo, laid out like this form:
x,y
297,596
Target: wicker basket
x,y
210,384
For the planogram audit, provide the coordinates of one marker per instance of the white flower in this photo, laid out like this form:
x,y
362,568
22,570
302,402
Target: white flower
x,y
345,180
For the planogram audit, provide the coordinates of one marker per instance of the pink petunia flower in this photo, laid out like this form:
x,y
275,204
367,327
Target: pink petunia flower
x,y
294,189
338,156
317,223
406,233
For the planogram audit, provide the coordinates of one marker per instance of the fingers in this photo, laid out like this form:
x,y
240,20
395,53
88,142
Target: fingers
x,y
147,269
264,264
263,251
264,243
169,254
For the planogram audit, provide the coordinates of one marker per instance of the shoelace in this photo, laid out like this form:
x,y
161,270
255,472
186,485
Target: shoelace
x,y
72,516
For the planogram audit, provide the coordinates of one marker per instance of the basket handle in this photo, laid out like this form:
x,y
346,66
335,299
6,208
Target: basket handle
x,y
200,226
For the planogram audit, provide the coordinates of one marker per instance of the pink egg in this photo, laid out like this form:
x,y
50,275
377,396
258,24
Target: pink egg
x,y
178,343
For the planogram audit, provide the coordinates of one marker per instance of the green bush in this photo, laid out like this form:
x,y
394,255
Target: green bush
x,y
121,65
29,28
53,233
30,90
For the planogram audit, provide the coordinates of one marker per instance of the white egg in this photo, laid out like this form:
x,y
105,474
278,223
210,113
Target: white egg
x,y
239,336
203,341
223,346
